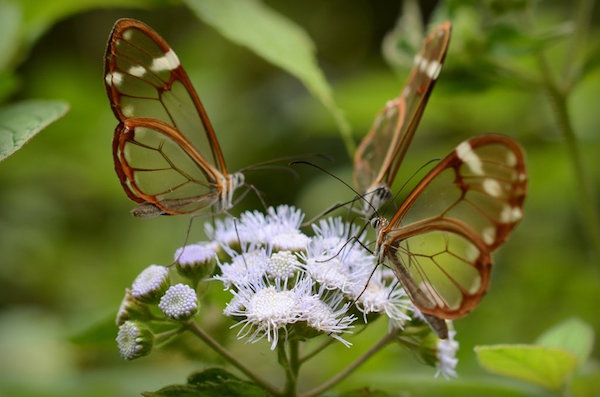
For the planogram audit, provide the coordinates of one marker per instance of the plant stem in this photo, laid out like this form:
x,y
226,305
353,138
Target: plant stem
x,y
350,368
290,377
199,332
582,24
558,99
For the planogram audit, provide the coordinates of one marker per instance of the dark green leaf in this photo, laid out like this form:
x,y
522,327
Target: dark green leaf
x,y
212,382
22,121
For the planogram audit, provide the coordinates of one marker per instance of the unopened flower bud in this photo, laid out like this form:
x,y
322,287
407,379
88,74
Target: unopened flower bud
x,y
179,302
131,309
151,284
134,340
196,261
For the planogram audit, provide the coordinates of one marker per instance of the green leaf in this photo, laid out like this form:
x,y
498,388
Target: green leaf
x,y
572,335
20,122
212,382
101,332
544,366
278,40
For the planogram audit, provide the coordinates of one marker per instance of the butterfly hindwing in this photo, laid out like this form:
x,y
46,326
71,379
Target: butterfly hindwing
x,y
442,236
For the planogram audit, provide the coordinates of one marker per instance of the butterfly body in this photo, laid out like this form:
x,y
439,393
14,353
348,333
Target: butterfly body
x,y
165,150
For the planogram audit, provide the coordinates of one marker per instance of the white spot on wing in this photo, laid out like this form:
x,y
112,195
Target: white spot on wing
x,y
418,59
137,71
169,61
510,215
117,78
511,159
127,110
471,253
492,187
127,34
108,79
466,154
517,214
489,235
433,69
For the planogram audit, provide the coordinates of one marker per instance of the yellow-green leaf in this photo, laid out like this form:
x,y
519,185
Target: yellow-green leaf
x,y
572,335
544,366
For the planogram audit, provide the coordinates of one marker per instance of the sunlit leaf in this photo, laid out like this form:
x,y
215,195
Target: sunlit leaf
x,y
277,39
212,382
544,366
21,121
572,335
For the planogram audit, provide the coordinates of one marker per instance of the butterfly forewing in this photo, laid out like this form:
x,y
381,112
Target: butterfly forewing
x,y
442,236
381,152
373,151
165,150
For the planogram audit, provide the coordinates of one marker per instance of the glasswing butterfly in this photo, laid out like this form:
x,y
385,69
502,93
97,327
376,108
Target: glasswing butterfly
x,y
440,240
380,153
165,150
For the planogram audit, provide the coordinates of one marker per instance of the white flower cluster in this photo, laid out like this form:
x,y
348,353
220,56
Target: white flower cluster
x,y
284,281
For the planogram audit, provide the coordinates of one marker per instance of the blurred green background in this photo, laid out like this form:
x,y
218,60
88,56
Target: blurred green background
x,y
69,247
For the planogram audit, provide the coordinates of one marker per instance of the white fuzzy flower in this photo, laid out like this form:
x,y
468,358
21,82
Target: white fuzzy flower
x,y
193,254
222,232
279,228
282,265
151,283
266,310
179,302
379,296
324,312
446,355
334,232
333,259
247,267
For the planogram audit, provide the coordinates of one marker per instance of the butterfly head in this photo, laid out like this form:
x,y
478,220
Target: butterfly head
x,y
375,198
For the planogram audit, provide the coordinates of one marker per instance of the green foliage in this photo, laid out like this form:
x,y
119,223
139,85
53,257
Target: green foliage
x,y
545,366
278,40
212,382
68,245
22,121
573,335
549,363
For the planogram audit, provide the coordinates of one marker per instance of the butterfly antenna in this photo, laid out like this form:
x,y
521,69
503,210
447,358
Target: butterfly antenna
x,y
358,196
287,159
185,241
